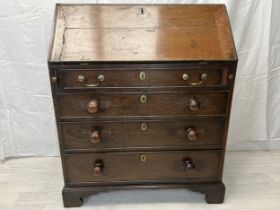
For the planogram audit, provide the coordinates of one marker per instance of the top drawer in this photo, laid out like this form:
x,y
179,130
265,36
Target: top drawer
x,y
99,78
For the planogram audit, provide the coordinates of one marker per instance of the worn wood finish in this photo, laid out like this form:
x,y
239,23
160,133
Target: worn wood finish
x,y
157,166
142,97
142,78
142,33
129,104
74,197
147,134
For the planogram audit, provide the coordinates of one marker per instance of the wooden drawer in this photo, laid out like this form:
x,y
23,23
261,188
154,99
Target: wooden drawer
x,y
188,134
141,104
185,166
197,77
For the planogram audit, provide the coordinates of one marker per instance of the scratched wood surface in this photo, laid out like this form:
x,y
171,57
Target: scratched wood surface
x,y
141,33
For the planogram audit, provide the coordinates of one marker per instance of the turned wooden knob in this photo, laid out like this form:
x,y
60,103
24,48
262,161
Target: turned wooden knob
x,y
188,164
193,104
92,106
95,137
98,167
192,134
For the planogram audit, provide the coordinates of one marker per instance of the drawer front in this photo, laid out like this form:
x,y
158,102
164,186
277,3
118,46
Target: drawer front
x,y
191,133
187,166
141,104
72,79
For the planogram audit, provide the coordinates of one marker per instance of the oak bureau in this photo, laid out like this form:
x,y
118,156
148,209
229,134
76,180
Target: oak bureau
x,y
142,97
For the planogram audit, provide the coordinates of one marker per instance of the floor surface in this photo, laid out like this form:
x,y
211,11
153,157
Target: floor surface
x,y
252,182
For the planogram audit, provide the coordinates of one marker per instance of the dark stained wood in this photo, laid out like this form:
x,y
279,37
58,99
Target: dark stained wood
x,y
129,135
133,104
129,167
74,197
215,195
129,104
131,77
160,33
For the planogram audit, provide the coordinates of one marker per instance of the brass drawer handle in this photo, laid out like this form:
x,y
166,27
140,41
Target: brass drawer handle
x,y
188,164
143,99
186,77
92,106
192,134
94,137
98,167
82,79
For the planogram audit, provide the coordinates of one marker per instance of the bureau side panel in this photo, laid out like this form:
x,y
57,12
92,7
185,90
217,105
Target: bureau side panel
x,y
53,82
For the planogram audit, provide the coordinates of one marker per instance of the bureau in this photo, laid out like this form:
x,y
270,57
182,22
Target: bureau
x,y
142,97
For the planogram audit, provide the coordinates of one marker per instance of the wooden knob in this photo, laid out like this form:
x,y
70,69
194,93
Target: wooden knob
x,y
192,134
188,164
95,137
193,104
92,106
98,167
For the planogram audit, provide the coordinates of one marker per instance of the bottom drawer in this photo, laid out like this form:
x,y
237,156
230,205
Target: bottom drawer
x,y
186,166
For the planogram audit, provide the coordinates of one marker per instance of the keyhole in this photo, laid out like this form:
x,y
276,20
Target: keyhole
x,y
142,11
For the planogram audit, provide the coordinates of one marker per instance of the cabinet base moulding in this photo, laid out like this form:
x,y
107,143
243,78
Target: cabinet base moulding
x,y
74,197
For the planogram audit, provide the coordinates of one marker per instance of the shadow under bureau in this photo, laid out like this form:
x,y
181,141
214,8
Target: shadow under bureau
x,y
142,97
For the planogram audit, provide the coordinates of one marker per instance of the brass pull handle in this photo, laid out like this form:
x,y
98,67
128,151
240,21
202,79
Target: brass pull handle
x,y
188,164
203,77
193,104
92,106
94,137
98,167
192,134
82,79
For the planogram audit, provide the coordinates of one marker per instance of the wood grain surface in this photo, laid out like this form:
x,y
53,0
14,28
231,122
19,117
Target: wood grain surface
x,y
119,104
141,33
158,166
120,135
143,77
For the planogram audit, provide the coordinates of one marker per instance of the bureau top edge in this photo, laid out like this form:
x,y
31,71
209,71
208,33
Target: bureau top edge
x,y
141,33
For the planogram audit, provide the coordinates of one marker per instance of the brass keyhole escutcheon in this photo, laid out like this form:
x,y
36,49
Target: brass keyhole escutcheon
x,y
142,75
143,158
144,126
143,99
